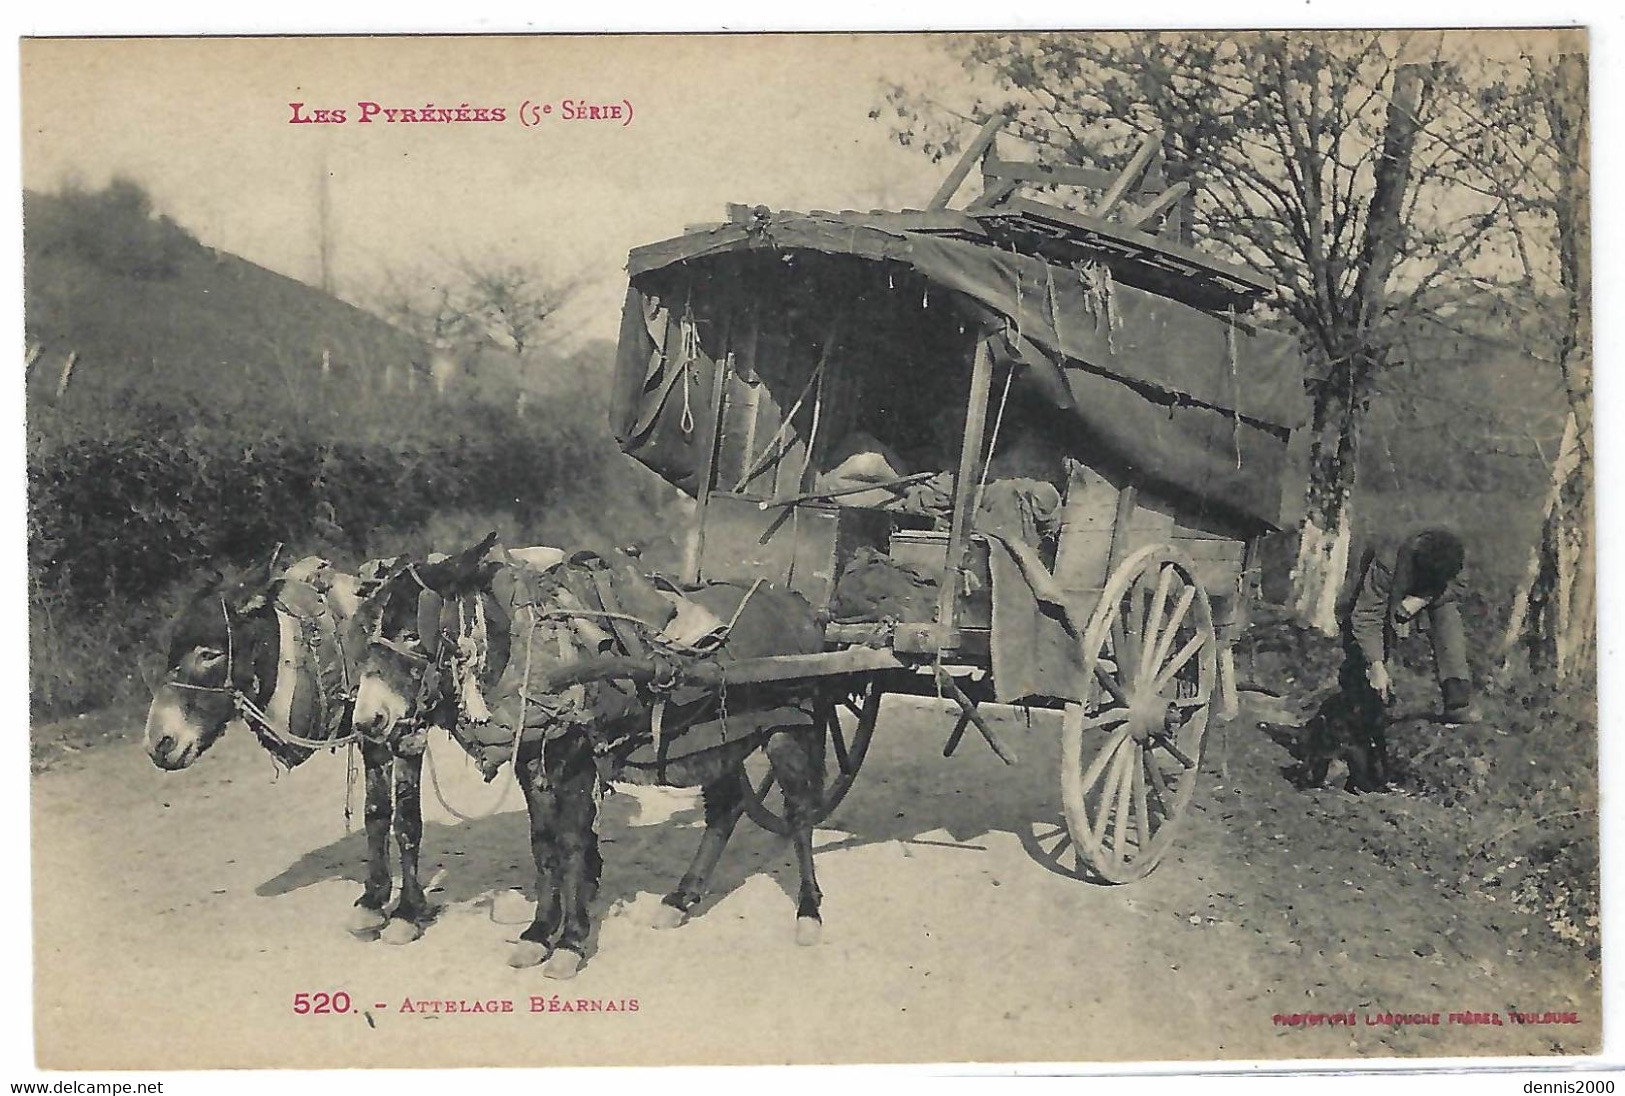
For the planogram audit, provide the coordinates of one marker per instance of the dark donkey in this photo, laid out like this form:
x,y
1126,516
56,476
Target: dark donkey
x,y
584,662
278,651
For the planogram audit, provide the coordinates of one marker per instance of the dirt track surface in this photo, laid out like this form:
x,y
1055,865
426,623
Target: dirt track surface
x,y
177,915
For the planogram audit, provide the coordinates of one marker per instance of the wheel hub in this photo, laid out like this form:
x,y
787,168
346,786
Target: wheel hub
x,y
1151,715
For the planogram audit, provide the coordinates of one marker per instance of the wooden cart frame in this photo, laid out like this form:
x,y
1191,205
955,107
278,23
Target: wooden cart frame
x,y
1156,598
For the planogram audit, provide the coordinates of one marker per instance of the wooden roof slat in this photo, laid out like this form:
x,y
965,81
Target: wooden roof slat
x,y
1024,171
1150,145
1140,216
1109,236
973,152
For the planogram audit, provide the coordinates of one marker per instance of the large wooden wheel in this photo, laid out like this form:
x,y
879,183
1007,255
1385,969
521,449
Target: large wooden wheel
x,y
1129,759
845,716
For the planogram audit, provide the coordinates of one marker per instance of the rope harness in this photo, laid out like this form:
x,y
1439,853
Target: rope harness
x,y
255,716
558,624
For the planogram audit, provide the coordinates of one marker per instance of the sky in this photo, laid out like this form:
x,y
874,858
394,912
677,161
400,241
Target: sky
x,y
206,126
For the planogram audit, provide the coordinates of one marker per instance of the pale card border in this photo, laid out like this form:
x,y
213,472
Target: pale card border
x,y
1607,27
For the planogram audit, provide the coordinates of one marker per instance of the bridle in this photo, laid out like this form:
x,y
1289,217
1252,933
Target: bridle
x,y
250,712
426,665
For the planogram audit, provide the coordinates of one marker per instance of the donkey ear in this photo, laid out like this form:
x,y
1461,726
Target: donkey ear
x,y
262,573
209,584
471,565
258,599
464,562
374,573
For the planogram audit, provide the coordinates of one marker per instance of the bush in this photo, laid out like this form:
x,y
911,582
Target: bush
x,y
114,228
125,511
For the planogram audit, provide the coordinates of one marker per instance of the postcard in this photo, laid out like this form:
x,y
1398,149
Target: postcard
x,y
644,550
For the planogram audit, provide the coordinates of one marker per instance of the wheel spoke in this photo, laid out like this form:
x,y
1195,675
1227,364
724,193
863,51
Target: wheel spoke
x,y
1153,619
1108,798
1179,755
1142,815
1165,642
1107,718
1060,846
1125,782
1186,653
842,759
1102,759
1156,784
1103,676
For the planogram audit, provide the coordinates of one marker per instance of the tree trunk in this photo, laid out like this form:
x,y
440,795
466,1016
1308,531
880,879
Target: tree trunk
x,y
1323,558
1343,396
1327,531
1553,626
1554,620
1554,613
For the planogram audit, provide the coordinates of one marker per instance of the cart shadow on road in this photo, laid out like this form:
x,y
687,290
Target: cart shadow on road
x,y
906,793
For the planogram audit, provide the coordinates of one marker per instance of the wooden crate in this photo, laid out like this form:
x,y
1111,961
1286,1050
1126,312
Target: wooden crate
x,y
801,547
928,551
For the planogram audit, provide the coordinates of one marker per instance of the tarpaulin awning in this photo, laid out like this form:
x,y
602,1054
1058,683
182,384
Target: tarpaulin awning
x,y
1194,399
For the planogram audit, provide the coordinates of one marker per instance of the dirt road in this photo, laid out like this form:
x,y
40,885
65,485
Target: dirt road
x,y
177,915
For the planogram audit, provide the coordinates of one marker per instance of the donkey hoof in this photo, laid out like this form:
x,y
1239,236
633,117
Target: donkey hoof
x,y
564,964
809,931
527,953
365,922
400,931
666,917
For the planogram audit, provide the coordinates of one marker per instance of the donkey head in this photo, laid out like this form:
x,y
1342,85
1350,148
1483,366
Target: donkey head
x,y
218,644
409,644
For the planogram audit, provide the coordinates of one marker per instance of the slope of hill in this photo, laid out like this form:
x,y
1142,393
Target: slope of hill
x,y
159,319
214,409
1464,431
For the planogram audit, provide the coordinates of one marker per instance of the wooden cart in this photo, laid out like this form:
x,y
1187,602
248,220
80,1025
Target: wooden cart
x,y
1097,348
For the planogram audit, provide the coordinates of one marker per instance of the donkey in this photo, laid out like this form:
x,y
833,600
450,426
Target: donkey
x,y
278,652
572,720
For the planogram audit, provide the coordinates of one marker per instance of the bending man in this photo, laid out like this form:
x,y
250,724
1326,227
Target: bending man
x,y
1394,584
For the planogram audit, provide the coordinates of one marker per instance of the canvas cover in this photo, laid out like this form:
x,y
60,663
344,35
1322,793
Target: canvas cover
x,y
1196,401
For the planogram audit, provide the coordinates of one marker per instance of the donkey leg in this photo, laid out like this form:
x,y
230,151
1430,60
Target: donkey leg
x,y
575,787
368,915
411,909
536,942
792,753
724,803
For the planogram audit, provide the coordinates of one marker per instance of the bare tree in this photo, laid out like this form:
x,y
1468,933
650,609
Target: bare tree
x,y
425,306
507,304
513,302
1321,158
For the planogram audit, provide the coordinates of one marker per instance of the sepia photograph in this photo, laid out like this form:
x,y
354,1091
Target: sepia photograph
x,y
1067,547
